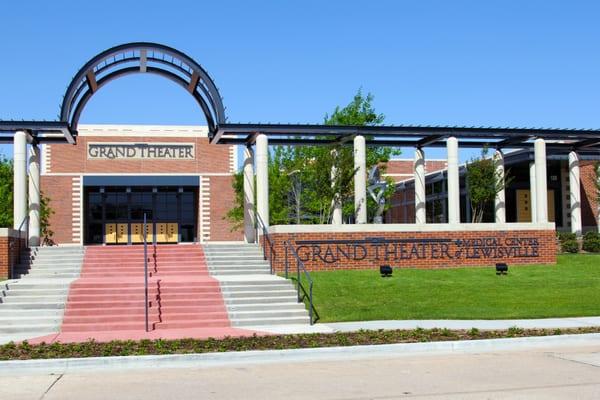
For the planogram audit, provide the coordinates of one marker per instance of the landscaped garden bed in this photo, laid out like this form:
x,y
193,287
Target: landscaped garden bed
x,y
26,351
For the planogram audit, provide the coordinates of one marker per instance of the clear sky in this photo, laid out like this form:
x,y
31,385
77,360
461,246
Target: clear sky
x,y
500,63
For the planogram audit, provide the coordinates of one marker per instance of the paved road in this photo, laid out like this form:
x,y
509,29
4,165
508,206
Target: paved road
x,y
561,373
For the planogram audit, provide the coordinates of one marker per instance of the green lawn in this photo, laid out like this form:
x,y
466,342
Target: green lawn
x,y
570,288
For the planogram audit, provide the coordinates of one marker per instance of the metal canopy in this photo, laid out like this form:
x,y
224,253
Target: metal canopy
x,y
126,59
145,57
406,136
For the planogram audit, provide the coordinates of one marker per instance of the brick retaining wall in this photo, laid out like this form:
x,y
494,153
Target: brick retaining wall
x,y
368,250
10,244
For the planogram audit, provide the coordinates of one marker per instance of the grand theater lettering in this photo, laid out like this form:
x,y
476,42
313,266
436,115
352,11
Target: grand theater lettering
x,y
391,250
169,151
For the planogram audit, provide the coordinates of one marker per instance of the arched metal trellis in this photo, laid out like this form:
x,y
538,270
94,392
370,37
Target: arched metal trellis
x,y
142,57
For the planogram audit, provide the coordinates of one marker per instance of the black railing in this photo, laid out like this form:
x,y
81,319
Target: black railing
x,y
267,245
144,232
302,293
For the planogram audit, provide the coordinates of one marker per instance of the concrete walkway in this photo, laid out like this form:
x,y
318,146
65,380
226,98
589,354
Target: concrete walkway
x,y
547,323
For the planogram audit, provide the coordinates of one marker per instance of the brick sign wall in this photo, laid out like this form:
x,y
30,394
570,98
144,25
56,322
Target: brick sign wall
x,y
369,250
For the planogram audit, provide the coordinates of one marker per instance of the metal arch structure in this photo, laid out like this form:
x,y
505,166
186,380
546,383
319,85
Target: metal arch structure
x,y
142,57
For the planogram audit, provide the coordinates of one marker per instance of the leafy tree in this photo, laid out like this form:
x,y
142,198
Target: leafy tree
x,y
6,202
6,192
484,183
302,186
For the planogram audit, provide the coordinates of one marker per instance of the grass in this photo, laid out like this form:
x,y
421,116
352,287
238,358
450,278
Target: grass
x,y
569,289
26,351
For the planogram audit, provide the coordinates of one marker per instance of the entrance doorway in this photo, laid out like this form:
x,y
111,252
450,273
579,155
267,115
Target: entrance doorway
x,y
115,214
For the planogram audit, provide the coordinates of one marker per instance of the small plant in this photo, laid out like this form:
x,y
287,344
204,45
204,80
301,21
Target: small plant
x,y
568,242
557,331
473,332
591,242
515,330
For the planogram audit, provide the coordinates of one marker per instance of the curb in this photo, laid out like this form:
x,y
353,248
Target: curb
x,y
209,360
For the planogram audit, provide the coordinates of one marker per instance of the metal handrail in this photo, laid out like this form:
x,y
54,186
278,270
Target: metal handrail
x,y
267,240
312,311
145,229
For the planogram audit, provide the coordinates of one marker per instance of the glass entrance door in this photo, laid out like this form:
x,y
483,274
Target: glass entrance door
x,y
114,215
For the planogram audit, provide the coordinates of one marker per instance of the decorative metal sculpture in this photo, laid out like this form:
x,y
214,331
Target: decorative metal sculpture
x,y
377,188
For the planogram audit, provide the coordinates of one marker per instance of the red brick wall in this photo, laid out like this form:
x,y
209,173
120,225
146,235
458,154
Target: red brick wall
x,y
9,254
221,201
410,249
405,168
589,194
209,158
59,190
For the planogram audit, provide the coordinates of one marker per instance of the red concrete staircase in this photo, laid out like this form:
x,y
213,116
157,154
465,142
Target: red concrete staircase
x,y
109,296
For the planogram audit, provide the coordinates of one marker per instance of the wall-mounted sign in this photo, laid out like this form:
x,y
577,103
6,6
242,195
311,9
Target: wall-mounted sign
x,y
139,151
394,250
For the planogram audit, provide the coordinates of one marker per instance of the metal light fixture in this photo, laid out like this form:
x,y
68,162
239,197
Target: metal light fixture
x,y
501,268
385,271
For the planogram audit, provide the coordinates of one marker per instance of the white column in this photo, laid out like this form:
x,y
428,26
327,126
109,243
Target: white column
x,y
575,193
420,197
500,202
336,214
20,179
360,179
336,203
541,183
262,178
453,182
34,195
532,192
249,224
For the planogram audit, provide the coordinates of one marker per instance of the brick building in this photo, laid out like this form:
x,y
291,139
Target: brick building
x,y
101,187
518,195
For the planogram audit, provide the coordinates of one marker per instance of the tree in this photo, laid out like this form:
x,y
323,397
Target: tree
x,y
324,173
6,192
484,183
6,202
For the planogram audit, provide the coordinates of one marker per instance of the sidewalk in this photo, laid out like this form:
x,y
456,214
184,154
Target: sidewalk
x,y
546,323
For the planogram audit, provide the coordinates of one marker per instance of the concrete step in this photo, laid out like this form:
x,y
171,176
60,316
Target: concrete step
x,y
32,299
29,284
291,305
257,288
32,313
35,292
270,321
31,306
270,293
243,315
260,300
240,271
30,320
44,274
29,328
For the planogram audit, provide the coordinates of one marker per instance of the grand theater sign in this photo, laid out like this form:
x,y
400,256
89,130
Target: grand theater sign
x,y
140,151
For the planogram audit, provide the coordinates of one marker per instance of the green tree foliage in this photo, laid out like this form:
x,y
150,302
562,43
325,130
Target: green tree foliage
x,y
484,183
6,193
6,202
302,186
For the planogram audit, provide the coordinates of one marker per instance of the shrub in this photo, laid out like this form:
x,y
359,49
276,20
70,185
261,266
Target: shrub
x,y
591,242
568,242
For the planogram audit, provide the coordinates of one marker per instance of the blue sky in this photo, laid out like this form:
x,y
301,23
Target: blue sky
x,y
500,63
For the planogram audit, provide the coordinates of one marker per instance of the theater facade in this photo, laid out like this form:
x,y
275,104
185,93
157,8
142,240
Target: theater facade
x,y
103,181
101,188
